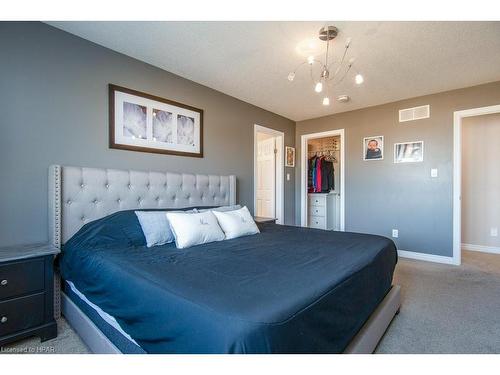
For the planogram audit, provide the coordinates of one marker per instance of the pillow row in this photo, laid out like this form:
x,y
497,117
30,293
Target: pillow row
x,y
194,227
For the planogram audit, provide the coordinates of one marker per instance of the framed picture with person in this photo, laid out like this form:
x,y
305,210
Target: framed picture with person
x,y
373,148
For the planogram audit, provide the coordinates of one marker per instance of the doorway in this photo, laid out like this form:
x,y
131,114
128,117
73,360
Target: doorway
x,y
487,229
331,204
268,173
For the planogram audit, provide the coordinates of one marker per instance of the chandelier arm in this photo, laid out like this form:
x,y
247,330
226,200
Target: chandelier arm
x,y
299,66
341,62
343,77
327,50
311,73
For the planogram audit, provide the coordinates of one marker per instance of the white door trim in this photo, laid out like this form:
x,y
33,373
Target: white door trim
x,y
457,173
280,166
303,173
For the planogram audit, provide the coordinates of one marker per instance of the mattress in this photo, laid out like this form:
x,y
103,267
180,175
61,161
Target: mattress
x,y
102,320
285,290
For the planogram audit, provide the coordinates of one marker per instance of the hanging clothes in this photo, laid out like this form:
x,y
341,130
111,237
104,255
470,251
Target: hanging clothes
x,y
317,185
327,176
311,166
320,175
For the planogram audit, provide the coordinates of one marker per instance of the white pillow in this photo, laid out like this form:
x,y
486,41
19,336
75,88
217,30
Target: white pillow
x,y
154,225
194,229
236,223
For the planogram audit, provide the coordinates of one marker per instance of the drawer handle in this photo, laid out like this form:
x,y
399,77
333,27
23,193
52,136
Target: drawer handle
x,y
4,282
3,320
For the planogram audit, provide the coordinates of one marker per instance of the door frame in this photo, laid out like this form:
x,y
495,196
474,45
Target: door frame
x,y
457,173
280,169
303,173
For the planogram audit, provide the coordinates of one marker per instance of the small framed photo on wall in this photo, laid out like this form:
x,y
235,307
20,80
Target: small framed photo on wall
x,y
373,148
289,156
409,152
147,123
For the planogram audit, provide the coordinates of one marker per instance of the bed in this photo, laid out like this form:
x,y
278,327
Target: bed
x,y
285,290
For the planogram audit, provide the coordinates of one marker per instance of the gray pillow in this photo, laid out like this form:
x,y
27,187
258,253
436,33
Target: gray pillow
x,y
155,227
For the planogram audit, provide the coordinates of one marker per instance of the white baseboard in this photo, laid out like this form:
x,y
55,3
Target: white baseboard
x,y
481,248
426,257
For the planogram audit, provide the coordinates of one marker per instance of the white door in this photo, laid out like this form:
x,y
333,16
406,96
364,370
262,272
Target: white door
x,y
266,177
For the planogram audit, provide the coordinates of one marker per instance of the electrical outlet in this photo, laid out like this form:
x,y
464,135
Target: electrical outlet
x,y
395,233
434,172
494,232
288,176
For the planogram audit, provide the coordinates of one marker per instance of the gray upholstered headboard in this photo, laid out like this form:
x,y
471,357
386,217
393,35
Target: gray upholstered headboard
x,y
78,195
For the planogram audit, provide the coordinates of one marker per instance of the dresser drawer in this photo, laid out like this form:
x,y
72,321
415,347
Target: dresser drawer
x,y
23,277
317,222
317,201
317,211
18,314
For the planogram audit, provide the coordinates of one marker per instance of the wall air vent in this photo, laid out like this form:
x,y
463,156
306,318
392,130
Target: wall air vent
x,y
415,113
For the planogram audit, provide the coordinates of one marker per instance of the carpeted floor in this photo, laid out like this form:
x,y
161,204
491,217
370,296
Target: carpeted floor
x,y
446,309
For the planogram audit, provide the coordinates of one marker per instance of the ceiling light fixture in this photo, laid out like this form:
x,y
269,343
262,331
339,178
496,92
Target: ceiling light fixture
x,y
331,72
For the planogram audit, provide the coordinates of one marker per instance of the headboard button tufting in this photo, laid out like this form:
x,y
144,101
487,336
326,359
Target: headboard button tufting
x,y
81,195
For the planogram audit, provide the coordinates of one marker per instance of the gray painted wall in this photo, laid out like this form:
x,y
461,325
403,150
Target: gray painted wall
x,y
381,195
54,110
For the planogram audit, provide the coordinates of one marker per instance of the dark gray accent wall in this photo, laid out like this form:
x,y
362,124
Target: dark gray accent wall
x,y
54,110
381,195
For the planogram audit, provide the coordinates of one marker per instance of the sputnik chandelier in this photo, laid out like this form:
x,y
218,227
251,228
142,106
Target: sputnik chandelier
x,y
330,73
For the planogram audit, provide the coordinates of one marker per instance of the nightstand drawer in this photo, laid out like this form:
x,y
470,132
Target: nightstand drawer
x,y
18,278
18,314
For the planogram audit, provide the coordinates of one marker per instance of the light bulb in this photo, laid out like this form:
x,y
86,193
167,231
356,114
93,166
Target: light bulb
x,y
359,79
310,60
326,100
291,76
318,87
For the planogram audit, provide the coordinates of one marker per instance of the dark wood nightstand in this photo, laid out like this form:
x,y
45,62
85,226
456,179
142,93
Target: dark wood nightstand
x,y
27,292
262,220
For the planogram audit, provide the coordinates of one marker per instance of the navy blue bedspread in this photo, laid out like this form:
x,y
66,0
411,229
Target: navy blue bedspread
x,y
285,290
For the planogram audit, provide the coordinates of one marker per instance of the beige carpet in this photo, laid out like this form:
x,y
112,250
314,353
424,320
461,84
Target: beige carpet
x,y
446,309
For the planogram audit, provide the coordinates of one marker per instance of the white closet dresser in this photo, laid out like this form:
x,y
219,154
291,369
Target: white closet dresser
x,y
323,211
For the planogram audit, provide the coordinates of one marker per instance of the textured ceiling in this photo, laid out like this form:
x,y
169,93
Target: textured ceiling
x,y
251,60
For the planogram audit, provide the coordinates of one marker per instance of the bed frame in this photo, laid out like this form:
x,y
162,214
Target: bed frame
x,y
78,195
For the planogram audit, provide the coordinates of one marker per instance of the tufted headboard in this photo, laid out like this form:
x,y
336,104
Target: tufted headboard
x,y
78,195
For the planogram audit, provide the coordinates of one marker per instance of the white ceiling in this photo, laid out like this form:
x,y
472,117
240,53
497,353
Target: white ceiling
x,y
251,60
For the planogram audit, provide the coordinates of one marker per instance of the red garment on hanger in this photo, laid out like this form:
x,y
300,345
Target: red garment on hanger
x,y
318,176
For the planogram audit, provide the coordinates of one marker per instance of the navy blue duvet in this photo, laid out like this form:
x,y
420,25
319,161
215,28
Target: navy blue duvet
x,y
285,290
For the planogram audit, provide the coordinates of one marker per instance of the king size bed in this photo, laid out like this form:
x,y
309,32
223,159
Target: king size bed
x,y
284,290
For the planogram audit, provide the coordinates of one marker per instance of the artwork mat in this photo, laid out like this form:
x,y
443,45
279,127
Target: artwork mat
x,y
119,95
365,147
407,161
292,150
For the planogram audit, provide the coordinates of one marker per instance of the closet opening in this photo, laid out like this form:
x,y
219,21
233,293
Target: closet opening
x,y
322,185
